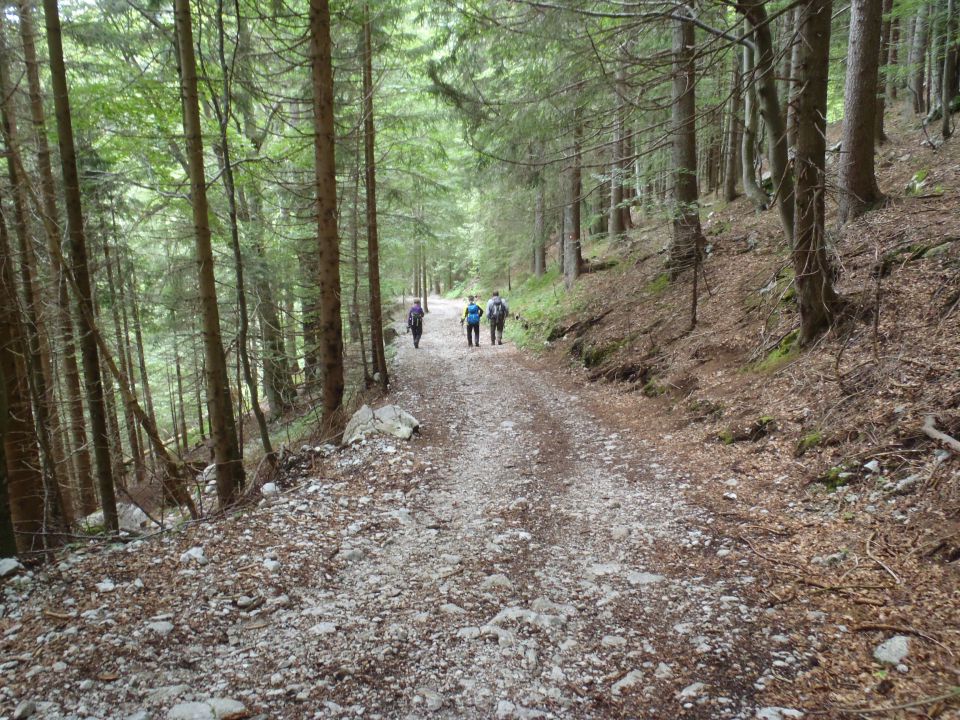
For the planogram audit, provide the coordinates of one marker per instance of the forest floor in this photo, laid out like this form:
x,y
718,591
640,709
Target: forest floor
x,y
526,555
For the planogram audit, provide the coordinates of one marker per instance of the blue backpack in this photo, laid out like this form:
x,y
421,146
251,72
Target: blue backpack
x,y
473,314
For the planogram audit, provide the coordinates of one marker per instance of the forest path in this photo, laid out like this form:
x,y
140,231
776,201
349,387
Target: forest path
x,y
522,557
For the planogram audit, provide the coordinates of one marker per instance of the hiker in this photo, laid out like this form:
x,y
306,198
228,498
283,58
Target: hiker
x,y
497,312
415,322
472,314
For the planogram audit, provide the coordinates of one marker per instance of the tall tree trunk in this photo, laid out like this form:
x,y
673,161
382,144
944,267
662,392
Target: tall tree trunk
x,y
687,233
732,171
126,353
78,247
755,11
328,241
751,116
892,77
616,225
139,468
82,466
224,111
879,134
858,182
539,228
815,293
949,62
38,360
230,473
373,239
794,84
23,481
571,251
918,54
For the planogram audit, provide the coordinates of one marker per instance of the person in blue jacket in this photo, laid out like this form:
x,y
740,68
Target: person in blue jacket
x,y
471,315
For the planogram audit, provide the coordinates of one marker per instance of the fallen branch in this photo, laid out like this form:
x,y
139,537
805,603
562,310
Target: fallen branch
x,y
952,695
929,429
878,561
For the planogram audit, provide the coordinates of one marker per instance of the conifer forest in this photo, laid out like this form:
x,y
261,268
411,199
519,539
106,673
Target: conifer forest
x,y
710,470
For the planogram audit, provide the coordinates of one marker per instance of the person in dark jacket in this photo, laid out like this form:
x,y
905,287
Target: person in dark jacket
x,y
471,315
415,322
497,312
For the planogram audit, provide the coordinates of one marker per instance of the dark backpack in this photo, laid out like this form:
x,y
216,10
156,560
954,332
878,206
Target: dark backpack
x,y
497,309
473,314
416,319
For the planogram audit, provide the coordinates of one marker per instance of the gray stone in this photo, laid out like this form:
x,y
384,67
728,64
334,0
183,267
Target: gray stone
x,y
324,628
226,707
643,578
194,555
627,681
693,690
388,420
191,711
9,566
778,713
24,710
269,489
496,581
162,628
893,650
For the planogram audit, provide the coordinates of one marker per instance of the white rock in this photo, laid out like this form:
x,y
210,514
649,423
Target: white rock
x,y
627,681
663,671
778,713
893,650
9,566
693,690
194,554
162,628
495,581
432,698
388,420
872,466
106,585
269,489
226,707
324,628
271,565
643,578
191,711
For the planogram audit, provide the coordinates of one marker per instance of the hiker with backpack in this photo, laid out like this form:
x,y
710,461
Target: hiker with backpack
x,y
472,314
415,322
497,312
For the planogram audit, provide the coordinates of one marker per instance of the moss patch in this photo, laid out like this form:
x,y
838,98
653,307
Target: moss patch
x,y
784,352
658,285
808,441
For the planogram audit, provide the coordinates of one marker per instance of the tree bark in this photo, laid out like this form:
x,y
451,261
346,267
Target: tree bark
x,y
23,480
794,85
81,461
230,472
858,182
949,62
572,258
78,246
328,243
756,13
815,294
879,134
373,239
732,171
917,61
748,161
687,233
39,362
539,227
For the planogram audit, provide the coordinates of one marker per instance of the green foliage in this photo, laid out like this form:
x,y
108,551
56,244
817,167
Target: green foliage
x,y
918,185
835,477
